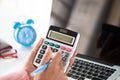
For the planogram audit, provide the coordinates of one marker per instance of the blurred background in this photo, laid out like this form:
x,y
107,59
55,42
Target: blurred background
x,y
12,11
98,22
85,17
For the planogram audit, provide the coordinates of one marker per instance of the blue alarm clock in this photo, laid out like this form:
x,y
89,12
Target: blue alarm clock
x,y
25,33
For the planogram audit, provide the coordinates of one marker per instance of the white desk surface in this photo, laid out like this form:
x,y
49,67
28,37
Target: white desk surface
x,y
20,10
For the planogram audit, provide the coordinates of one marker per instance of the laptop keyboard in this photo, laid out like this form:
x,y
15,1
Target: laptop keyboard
x,y
83,69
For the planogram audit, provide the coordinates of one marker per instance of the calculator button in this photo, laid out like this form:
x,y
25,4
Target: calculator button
x,y
68,49
57,46
40,56
63,54
44,47
67,54
51,48
37,60
55,50
62,47
42,51
64,58
51,44
46,42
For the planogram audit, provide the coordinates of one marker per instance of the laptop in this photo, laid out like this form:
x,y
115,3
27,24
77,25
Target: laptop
x,y
103,66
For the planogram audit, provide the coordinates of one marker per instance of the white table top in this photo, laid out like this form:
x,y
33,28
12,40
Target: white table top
x,y
20,10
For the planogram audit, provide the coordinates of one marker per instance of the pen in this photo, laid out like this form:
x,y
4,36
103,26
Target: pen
x,y
41,68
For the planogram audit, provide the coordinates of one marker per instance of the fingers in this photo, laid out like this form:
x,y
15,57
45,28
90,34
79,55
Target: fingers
x,y
70,65
71,62
46,56
75,53
57,58
35,49
37,46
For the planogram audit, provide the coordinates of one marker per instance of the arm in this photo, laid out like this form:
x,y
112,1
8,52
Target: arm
x,y
19,75
55,70
24,74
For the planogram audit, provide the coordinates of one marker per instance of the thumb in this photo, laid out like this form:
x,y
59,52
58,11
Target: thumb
x,y
46,56
34,51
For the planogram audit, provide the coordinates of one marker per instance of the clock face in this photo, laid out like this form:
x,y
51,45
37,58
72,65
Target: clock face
x,y
26,35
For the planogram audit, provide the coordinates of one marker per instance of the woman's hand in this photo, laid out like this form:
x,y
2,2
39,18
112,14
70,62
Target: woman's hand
x,y
29,67
54,71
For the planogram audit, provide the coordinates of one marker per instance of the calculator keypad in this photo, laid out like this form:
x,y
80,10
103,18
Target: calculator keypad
x,y
54,47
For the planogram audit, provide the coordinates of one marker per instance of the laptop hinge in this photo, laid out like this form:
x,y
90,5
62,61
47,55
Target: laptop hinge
x,y
94,59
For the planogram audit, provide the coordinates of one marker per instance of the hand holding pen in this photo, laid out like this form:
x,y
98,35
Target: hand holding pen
x,y
54,70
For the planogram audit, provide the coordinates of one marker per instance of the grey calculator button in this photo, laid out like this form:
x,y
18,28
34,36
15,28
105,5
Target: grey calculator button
x,y
55,50
51,48
64,58
44,47
37,60
42,51
40,56
67,54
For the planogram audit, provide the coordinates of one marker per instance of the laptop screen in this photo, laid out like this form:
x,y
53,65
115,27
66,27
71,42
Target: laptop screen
x,y
108,44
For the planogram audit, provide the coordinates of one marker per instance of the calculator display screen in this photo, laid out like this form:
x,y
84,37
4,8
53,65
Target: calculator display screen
x,y
61,37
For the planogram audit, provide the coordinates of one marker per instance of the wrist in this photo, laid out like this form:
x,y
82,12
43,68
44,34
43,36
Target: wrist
x,y
28,74
25,75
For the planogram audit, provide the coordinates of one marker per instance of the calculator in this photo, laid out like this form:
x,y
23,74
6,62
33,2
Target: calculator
x,y
59,39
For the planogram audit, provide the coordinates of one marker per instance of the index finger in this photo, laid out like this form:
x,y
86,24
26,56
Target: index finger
x,y
57,58
46,57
